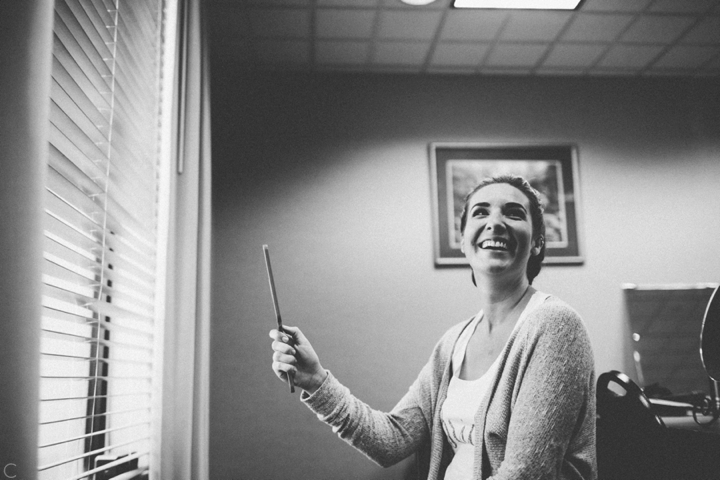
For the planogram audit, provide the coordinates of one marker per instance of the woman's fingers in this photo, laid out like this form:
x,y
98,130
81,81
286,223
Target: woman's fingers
x,y
293,353
279,336
284,358
295,335
283,348
288,336
282,369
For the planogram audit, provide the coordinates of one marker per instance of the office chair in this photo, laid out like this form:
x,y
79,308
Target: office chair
x,y
631,438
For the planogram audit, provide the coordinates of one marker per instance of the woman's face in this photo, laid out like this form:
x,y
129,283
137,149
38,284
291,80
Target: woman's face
x,y
498,236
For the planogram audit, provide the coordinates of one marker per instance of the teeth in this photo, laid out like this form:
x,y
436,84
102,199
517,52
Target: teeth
x,y
493,244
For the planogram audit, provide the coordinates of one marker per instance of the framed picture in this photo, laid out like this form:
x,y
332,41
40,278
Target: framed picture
x,y
551,169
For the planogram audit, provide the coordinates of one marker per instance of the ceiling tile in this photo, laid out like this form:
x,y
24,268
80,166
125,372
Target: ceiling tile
x,y
443,70
604,37
394,68
656,29
458,54
533,26
229,23
560,71
596,27
277,3
283,51
237,51
612,72
506,70
276,22
515,55
713,64
681,6
614,5
472,25
685,57
341,53
630,56
347,3
398,25
667,72
402,53
565,55
344,23
706,32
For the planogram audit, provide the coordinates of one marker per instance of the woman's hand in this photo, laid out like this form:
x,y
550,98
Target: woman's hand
x,y
293,353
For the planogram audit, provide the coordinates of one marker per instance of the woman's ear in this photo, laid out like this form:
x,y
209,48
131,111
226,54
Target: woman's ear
x,y
537,245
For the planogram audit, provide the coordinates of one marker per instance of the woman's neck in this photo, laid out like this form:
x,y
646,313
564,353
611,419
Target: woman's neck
x,y
499,300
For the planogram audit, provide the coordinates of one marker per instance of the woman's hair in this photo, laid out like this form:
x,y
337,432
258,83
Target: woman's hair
x,y
536,214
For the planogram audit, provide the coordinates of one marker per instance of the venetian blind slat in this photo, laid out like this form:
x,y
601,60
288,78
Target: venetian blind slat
x,y
56,442
98,301
82,51
63,332
89,80
64,83
103,9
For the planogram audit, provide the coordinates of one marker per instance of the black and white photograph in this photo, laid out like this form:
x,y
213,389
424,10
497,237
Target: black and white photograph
x,y
360,239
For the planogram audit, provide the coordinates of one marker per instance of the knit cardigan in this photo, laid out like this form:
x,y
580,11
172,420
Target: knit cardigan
x,y
537,421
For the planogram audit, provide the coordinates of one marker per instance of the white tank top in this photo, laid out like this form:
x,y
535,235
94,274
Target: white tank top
x,y
464,397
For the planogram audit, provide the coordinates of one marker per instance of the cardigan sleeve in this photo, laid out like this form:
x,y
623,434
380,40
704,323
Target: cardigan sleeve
x,y
384,437
551,428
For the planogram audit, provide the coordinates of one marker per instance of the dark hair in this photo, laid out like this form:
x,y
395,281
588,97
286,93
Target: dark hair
x,y
536,214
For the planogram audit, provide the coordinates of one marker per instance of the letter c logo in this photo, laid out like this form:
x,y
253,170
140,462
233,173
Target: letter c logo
x,y
5,470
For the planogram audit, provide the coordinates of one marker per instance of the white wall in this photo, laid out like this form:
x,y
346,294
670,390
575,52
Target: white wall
x,y
332,172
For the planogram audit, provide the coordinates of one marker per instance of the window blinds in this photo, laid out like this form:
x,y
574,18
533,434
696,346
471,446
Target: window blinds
x,y
101,206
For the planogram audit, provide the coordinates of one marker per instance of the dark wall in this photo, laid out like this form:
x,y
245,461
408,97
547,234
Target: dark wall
x,y
25,53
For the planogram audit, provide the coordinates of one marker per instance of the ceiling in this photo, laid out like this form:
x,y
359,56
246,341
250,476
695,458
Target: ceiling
x,y
602,37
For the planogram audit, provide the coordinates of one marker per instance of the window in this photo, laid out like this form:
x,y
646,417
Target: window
x,y
98,342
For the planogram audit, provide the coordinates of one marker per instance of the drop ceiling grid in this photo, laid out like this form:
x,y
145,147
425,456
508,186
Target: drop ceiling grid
x,y
603,37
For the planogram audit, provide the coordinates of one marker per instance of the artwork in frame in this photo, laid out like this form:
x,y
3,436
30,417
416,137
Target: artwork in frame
x,y
552,169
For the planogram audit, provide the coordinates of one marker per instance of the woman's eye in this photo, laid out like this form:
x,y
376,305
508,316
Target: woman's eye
x,y
516,213
480,212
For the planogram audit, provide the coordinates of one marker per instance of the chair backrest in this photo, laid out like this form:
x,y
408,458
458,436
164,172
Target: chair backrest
x,y
630,406
630,436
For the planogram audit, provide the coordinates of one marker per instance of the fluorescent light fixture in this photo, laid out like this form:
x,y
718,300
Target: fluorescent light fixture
x,y
519,4
417,2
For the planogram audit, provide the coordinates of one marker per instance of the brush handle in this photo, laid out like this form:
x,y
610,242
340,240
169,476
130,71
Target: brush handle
x,y
276,305
290,375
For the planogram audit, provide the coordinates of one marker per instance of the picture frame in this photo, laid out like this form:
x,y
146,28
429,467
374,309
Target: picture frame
x,y
552,169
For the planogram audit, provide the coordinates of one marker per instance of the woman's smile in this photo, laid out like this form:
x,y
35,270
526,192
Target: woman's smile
x,y
493,244
497,247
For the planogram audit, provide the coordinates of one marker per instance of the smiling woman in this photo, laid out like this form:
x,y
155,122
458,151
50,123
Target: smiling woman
x,y
506,394
526,208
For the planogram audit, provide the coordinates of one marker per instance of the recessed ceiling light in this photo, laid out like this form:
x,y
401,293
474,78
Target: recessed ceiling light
x,y
417,3
520,4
